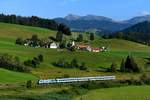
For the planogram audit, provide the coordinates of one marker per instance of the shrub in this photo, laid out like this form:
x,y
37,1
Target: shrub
x,y
29,84
35,62
145,79
62,45
12,63
40,57
122,67
80,38
83,67
19,41
113,67
73,64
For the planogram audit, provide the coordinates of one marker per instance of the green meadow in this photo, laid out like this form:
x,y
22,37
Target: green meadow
x,y
10,76
118,50
122,93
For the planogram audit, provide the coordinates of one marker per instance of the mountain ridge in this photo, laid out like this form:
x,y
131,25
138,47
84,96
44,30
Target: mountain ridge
x,y
139,32
101,23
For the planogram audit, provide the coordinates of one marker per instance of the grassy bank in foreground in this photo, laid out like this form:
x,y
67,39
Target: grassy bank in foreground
x,y
69,93
122,93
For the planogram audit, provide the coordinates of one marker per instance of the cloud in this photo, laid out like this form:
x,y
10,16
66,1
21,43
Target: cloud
x,y
142,13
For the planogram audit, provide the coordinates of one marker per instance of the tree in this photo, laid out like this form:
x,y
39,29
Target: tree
x,y
130,65
41,43
29,84
35,40
19,41
92,37
40,57
83,67
28,63
59,36
74,63
12,63
64,29
62,45
29,21
67,31
80,38
35,62
69,45
120,35
113,67
122,67
53,39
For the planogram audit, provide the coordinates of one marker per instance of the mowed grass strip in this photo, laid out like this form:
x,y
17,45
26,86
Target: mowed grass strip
x,y
7,76
122,93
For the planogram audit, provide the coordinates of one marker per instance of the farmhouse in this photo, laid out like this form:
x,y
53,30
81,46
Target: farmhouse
x,y
96,50
73,43
84,47
53,45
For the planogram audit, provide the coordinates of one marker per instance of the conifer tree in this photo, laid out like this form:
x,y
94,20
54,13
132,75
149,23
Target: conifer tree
x,y
92,37
122,67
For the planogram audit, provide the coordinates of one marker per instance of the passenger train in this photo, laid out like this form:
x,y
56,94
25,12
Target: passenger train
x,y
71,80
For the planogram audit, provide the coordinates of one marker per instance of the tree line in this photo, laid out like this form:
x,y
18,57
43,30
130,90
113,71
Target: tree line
x,y
29,21
12,63
72,64
128,65
35,62
142,38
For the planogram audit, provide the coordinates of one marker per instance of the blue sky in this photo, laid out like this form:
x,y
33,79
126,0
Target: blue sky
x,y
116,9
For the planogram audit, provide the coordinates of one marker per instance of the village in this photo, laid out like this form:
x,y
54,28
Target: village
x,y
51,44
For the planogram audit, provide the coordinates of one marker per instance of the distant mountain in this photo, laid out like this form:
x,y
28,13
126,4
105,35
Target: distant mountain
x,y
101,23
138,32
72,17
82,23
87,17
138,19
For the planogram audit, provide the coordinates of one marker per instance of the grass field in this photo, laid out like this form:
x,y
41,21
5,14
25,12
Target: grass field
x,y
118,49
122,93
50,93
10,76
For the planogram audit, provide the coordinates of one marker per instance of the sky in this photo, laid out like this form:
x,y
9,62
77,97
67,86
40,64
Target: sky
x,y
116,9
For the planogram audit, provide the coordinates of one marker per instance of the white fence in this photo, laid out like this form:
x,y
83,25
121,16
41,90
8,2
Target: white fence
x,y
81,79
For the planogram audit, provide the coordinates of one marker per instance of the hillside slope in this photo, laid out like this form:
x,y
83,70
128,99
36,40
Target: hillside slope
x,y
12,31
118,49
7,76
121,93
138,32
121,45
